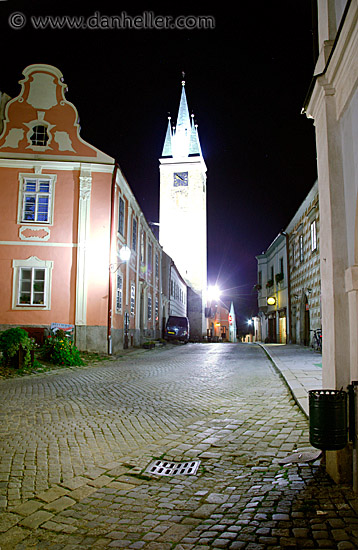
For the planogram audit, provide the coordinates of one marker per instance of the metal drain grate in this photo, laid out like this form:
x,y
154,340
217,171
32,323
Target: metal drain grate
x,y
165,468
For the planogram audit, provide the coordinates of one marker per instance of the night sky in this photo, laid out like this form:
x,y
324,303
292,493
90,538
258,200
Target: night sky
x,y
246,82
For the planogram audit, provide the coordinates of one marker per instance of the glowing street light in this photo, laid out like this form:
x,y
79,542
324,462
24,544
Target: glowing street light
x,y
124,255
214,293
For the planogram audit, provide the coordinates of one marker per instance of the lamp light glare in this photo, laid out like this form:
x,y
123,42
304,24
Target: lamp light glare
x,y
213,293
125,253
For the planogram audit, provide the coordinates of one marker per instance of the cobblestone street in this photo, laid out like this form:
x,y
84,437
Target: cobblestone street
x,y
75,444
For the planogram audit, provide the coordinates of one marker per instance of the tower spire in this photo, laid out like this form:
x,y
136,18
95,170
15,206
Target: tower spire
x,y
183,139
167,148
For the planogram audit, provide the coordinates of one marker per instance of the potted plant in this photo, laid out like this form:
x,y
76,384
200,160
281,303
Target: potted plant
x,y
17,347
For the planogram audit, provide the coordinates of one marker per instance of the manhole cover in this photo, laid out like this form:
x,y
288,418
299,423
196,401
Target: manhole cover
x,y
304,455
166,468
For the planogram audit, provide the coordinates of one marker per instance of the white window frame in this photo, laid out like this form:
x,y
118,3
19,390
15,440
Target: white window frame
x,y
301,248
132,302
121,215
150,257
313,236
23,178
134,234
33,263
119,292
156,265
150,307
156,309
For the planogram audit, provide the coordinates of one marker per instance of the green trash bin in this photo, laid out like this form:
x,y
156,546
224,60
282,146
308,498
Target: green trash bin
x,y
328,419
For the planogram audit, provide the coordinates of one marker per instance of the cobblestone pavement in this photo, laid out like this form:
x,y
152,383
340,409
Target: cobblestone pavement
x,y
75,445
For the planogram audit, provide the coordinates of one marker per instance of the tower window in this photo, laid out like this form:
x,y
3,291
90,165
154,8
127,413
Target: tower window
x,y
40,136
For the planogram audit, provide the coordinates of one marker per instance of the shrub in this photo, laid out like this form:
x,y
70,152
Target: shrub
x,y
60,350
13,340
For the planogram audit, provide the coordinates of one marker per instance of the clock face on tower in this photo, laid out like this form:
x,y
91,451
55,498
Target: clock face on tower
x,y
180,178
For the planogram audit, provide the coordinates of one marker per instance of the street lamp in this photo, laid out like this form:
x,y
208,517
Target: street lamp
x,y
124,255
214,293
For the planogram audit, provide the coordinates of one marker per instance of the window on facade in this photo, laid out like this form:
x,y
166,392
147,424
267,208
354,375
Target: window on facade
x,y
142,247
157,265
32,283
300,243
119,293
150,255
156,308
31,287
36,200
132,299
40,136
134,235
121,216
281,266
149,308
313,236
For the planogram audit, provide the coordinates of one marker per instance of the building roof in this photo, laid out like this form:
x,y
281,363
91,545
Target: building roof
x,y
183,140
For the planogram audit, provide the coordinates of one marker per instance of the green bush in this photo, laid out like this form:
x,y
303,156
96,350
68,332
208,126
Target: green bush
x,y
11,341
60,350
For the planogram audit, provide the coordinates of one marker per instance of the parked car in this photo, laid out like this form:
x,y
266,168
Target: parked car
x,y
177,328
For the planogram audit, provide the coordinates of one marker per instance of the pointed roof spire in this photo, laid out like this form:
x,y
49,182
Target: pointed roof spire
x,y
183,120
167,148
182,140
194,145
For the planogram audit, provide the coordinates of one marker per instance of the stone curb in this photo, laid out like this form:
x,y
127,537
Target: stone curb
x,y
299,393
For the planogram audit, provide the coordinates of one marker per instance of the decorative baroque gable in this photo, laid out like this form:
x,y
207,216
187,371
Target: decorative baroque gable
x,y
40,120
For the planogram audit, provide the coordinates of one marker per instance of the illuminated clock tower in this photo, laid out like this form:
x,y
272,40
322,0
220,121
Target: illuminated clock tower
x,y
182,212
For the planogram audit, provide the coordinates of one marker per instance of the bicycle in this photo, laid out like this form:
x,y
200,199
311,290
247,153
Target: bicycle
x,y
317,340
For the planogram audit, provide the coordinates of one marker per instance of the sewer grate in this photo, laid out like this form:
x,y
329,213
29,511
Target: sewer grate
x,y
166,468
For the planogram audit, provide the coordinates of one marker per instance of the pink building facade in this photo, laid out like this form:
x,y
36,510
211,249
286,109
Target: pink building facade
x,y
67,214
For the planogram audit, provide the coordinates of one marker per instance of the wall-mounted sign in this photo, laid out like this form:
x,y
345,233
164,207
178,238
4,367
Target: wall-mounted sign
x,y
271,301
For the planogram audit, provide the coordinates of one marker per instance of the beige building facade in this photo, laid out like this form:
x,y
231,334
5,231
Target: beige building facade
x,y
332,103
288,280
272,289
304,263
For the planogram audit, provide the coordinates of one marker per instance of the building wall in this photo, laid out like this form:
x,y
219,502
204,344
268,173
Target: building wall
x,y
304,261
183,220
111,303
332,104
272,284
178,293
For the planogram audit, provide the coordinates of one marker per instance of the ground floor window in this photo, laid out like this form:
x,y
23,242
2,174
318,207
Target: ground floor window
x,y
132,299
119,293
32,283
149,308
